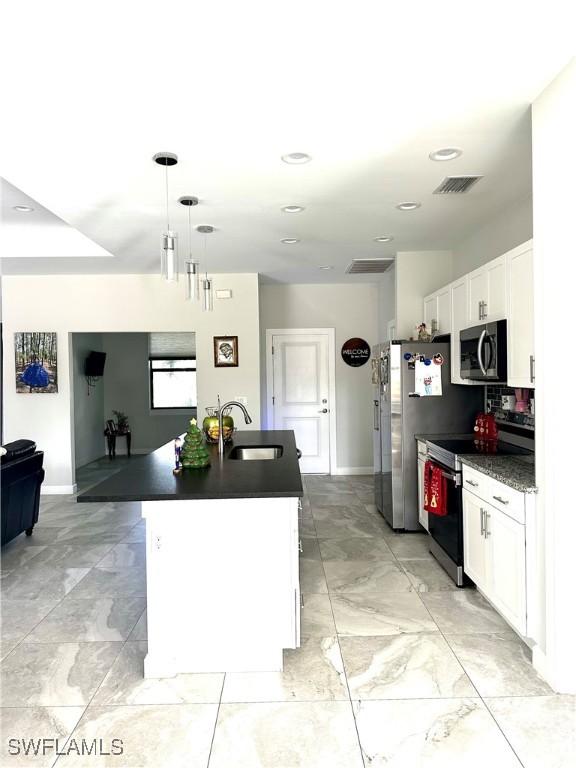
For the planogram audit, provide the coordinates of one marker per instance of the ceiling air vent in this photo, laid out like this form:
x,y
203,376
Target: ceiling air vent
x,y
456,185
368,266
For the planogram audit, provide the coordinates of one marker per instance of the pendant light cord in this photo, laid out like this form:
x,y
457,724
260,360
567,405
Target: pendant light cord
x,y
189,234
167,199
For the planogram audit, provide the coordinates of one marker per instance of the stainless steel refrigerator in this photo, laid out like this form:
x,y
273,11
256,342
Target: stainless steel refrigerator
x,y
399,415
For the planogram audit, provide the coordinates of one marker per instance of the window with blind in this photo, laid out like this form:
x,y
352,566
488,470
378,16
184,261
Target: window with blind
x,y
172,361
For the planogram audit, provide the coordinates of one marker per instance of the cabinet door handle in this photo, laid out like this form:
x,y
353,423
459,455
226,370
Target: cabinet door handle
x,y
472,483
479,310
324,410
500,499
482,512
532,369
486,531
376,418
300,545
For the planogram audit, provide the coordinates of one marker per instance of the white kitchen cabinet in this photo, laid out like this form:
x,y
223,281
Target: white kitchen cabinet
x,y
487,292
506,554
475,560
431,312
495,549
444,322
422,456
437,311
520,314
458,320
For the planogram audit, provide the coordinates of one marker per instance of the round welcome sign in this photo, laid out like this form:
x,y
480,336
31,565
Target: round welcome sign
x,y
355,352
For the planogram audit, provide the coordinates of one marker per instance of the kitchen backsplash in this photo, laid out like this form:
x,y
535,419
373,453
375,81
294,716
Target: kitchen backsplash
x,y
493,399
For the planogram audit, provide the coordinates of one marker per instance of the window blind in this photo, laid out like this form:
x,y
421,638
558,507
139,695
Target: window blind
x,y
166,345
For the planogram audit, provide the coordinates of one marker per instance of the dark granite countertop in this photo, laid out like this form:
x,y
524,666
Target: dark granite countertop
x,y
515,471
152,479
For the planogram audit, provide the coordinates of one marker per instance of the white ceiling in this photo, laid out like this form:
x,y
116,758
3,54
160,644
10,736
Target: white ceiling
x,y
366,89
38,233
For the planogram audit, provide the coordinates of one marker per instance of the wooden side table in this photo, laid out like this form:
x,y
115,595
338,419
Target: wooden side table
x,y
111,440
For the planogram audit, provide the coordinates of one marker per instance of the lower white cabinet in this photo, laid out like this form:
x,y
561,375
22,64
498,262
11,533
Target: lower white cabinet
x,y
475,550
507,565
495,557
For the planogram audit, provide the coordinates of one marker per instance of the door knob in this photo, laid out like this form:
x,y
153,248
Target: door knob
x,y
324,410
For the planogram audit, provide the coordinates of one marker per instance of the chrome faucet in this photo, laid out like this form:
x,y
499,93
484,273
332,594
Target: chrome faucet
x,y
221,408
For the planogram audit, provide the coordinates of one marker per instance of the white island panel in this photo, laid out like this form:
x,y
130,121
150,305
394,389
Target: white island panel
x,y
222,584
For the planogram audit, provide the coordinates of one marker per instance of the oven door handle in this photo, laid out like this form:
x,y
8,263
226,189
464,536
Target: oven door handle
x,y
454,476
479,352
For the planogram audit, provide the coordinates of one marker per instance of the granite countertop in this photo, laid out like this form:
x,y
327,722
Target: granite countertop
x,y
515,471
152,479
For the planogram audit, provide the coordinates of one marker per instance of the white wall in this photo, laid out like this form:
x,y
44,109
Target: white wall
x,y
386,302
504,231
418,273
554,160
88,404
124,303
126,388
353,311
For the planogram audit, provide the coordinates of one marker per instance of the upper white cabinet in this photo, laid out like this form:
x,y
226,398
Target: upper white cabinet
x,y
437,311
520,313
501,289
459,319
487,292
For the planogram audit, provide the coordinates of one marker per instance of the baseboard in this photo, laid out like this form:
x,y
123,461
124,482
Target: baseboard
x,y
353,471
542,665
58,490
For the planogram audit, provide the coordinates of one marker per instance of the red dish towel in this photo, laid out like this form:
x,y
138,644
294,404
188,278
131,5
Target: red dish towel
x,y
434,490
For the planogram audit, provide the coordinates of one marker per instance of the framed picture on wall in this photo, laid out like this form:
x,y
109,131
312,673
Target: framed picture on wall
x,y
226,351
36,362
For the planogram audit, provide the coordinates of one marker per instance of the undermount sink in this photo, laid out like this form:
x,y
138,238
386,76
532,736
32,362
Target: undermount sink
x,y
255,452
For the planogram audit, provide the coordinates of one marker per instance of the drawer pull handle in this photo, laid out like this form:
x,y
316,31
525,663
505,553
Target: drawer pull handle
x,y
500,499
472,483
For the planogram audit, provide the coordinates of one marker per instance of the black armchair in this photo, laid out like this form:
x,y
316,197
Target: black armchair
x,y
21,476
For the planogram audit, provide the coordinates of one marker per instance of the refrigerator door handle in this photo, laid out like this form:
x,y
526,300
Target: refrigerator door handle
x,y
376,419
479,352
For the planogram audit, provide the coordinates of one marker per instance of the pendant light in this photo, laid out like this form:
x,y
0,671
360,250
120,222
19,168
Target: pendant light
x,y
169,252
192,265
207,296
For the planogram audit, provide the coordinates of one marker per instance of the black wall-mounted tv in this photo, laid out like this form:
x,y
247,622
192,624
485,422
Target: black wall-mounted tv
x,y
94,365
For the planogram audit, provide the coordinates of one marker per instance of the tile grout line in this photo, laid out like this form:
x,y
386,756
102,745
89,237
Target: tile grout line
x,y
452,651
345,672
73,731
216,721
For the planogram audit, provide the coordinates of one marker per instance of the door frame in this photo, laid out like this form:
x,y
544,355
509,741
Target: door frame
x,y
330,334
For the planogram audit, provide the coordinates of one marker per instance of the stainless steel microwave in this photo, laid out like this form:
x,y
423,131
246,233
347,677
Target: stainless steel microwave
x,y
483,352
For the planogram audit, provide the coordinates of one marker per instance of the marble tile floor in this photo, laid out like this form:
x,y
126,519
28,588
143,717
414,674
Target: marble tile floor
x,y
397,667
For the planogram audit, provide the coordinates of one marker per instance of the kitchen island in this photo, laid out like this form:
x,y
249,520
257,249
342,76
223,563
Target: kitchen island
x,y
222,546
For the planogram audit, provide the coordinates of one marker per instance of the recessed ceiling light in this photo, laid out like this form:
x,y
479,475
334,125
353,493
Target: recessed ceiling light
x,y
23,208
325,266
446,153
293,208
409,206
296,158
290,240
383,239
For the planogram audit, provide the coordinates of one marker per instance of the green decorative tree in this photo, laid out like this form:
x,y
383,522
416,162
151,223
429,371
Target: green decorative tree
x,y
194,453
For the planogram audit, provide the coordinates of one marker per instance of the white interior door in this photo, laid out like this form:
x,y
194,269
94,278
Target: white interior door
x,y
300,397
